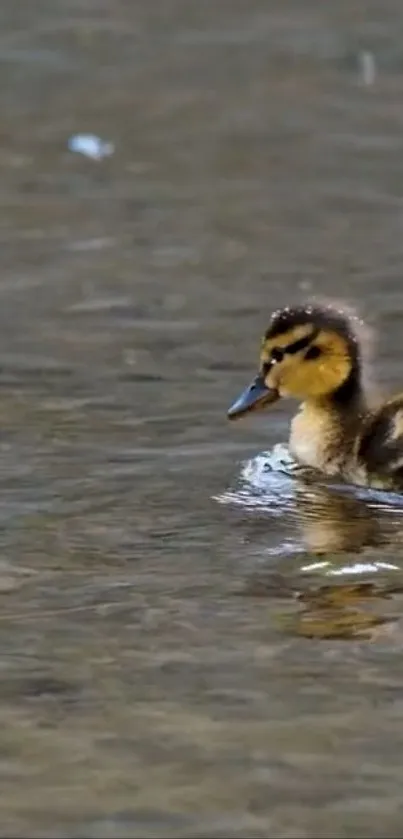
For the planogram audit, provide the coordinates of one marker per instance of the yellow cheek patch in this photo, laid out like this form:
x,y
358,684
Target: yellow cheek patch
x,y
322,376
304,378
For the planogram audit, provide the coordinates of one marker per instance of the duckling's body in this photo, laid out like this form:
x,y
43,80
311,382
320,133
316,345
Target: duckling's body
x,y
315,354
320,438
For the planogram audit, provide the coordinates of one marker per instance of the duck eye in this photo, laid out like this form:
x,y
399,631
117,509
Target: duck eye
x,y
277,354
312,353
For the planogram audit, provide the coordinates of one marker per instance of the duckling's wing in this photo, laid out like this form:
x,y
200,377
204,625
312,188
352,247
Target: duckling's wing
x,y
380,447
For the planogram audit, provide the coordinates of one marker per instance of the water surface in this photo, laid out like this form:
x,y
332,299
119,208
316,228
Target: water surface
x,y
191,646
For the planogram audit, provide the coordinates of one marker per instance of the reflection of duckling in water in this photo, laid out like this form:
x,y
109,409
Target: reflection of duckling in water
x,y
332,602
315,354
322,521
334,523
331,524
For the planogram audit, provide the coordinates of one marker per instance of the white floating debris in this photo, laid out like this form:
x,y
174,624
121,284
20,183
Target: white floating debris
x,y
367,67
90,146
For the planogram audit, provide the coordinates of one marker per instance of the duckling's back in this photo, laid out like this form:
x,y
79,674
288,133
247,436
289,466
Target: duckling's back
x,y
380,444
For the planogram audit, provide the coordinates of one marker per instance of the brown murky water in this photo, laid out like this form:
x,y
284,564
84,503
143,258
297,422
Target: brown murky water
x,y
189,646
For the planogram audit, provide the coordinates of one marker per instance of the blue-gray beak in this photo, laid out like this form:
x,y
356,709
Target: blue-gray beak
x,y
256,396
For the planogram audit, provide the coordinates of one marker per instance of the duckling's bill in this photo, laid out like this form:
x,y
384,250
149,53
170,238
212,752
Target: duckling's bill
x,y
254,397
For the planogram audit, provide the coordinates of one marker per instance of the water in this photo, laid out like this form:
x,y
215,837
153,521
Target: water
x,y
192,644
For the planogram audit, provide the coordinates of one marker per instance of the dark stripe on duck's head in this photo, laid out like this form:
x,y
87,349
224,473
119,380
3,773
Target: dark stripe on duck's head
x,y
301,343
315,318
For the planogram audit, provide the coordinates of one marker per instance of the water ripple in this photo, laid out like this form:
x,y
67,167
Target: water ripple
x,y
266,482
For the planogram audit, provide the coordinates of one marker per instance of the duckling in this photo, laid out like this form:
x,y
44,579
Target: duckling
x,y
315,354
